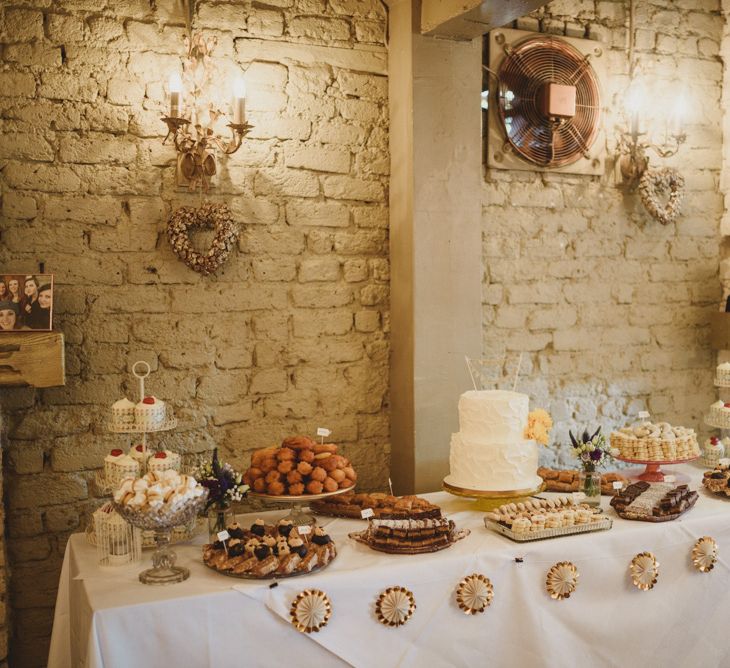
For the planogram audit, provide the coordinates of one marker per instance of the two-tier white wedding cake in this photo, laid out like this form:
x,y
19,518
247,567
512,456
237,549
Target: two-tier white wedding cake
x,y
490,453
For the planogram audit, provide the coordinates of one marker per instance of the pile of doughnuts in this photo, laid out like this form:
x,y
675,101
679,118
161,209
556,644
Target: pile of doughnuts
x,y
299,466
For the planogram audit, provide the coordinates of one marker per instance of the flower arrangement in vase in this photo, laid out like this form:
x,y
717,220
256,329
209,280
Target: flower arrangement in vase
x,y
225,486
592,452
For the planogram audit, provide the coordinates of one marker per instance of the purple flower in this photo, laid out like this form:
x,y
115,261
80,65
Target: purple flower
x,y
596,455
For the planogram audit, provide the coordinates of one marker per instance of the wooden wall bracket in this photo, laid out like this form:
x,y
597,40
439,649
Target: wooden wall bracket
x,y
32,358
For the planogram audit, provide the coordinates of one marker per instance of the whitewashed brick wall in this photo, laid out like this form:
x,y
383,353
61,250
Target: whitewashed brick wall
x,y
290,335
611,307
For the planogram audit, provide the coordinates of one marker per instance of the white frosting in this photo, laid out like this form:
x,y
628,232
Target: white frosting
x,y
489,453
170,462
493,416
718,447
725,366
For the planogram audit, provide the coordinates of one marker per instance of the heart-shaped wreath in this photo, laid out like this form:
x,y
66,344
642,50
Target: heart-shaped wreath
x,y
656,181
209,216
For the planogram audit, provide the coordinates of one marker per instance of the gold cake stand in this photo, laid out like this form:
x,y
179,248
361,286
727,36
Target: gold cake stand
x,y
490,500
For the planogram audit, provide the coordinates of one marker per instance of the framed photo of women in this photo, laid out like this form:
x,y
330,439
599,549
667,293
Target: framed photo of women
x,y
26,302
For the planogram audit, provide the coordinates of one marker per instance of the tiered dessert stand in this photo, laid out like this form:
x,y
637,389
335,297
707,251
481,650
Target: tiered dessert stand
x,y
169,423
709,418
141,370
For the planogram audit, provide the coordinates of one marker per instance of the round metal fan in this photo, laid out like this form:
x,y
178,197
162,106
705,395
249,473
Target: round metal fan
x,y
549,101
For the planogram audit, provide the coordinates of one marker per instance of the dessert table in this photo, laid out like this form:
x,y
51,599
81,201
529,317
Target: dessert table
x,y
105,617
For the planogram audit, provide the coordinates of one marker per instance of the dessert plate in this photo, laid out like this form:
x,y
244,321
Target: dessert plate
x,y
523,537
270,576
362,537
287,498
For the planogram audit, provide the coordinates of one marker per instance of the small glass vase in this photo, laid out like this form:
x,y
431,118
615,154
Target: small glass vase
x,y
589,482
220,516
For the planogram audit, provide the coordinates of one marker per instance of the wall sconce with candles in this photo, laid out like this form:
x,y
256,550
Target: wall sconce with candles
x,y
193,117
634,144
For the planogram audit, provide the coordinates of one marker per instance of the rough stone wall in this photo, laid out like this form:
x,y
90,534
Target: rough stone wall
x,y
3,574
293,332
610,306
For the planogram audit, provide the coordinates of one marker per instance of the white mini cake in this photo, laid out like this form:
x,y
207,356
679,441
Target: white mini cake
x,y
164,461
713,452
720,414
722,374
140,454
149,413
123,413
118,466
490,453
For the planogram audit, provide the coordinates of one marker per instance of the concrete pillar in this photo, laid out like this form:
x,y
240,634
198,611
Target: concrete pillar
x,y
435,237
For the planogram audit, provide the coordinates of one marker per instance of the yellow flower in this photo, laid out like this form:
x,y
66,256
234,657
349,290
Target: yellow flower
x,y
539,424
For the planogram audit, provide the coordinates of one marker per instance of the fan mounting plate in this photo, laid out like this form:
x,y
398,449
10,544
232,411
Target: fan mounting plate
x,y
546,112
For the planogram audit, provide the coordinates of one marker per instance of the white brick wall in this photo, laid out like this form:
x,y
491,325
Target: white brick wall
x,y
290,335
612,307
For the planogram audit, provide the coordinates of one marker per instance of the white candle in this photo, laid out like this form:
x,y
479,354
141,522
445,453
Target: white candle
x,y
175,95
239,102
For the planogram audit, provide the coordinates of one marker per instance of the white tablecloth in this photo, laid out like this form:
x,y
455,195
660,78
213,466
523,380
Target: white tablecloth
x,y
105,617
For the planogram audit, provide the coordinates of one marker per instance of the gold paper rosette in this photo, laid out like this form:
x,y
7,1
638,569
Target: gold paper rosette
x,y
562,580
644,570
311,611
474,593
395,606
704,554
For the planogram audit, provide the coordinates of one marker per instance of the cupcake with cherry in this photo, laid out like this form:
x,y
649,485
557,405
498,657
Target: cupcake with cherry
x,y
714,450
140,453
719,415
164,460
150,413
118,466
298,467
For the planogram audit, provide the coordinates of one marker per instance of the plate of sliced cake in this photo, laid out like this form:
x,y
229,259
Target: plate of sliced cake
x,y
653,502
384,506
265,552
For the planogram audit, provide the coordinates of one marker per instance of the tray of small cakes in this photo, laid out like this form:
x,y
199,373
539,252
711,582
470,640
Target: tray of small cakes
x,y
653,502
407,526
266,552
539,519
384,506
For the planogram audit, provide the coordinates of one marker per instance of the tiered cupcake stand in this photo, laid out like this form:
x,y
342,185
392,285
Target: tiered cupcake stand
x,y
712,421
141,370
168,424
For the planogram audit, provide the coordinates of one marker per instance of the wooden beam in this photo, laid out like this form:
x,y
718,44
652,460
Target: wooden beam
x,y
720,330
32,358
467,19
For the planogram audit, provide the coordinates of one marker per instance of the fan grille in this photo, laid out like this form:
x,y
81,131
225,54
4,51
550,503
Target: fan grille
x,y
525,69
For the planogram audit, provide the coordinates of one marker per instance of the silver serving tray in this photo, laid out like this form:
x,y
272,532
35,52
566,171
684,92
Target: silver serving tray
x,y
599,525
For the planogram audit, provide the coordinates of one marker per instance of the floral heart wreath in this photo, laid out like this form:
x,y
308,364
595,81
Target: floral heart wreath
x,y
654,182
208,216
